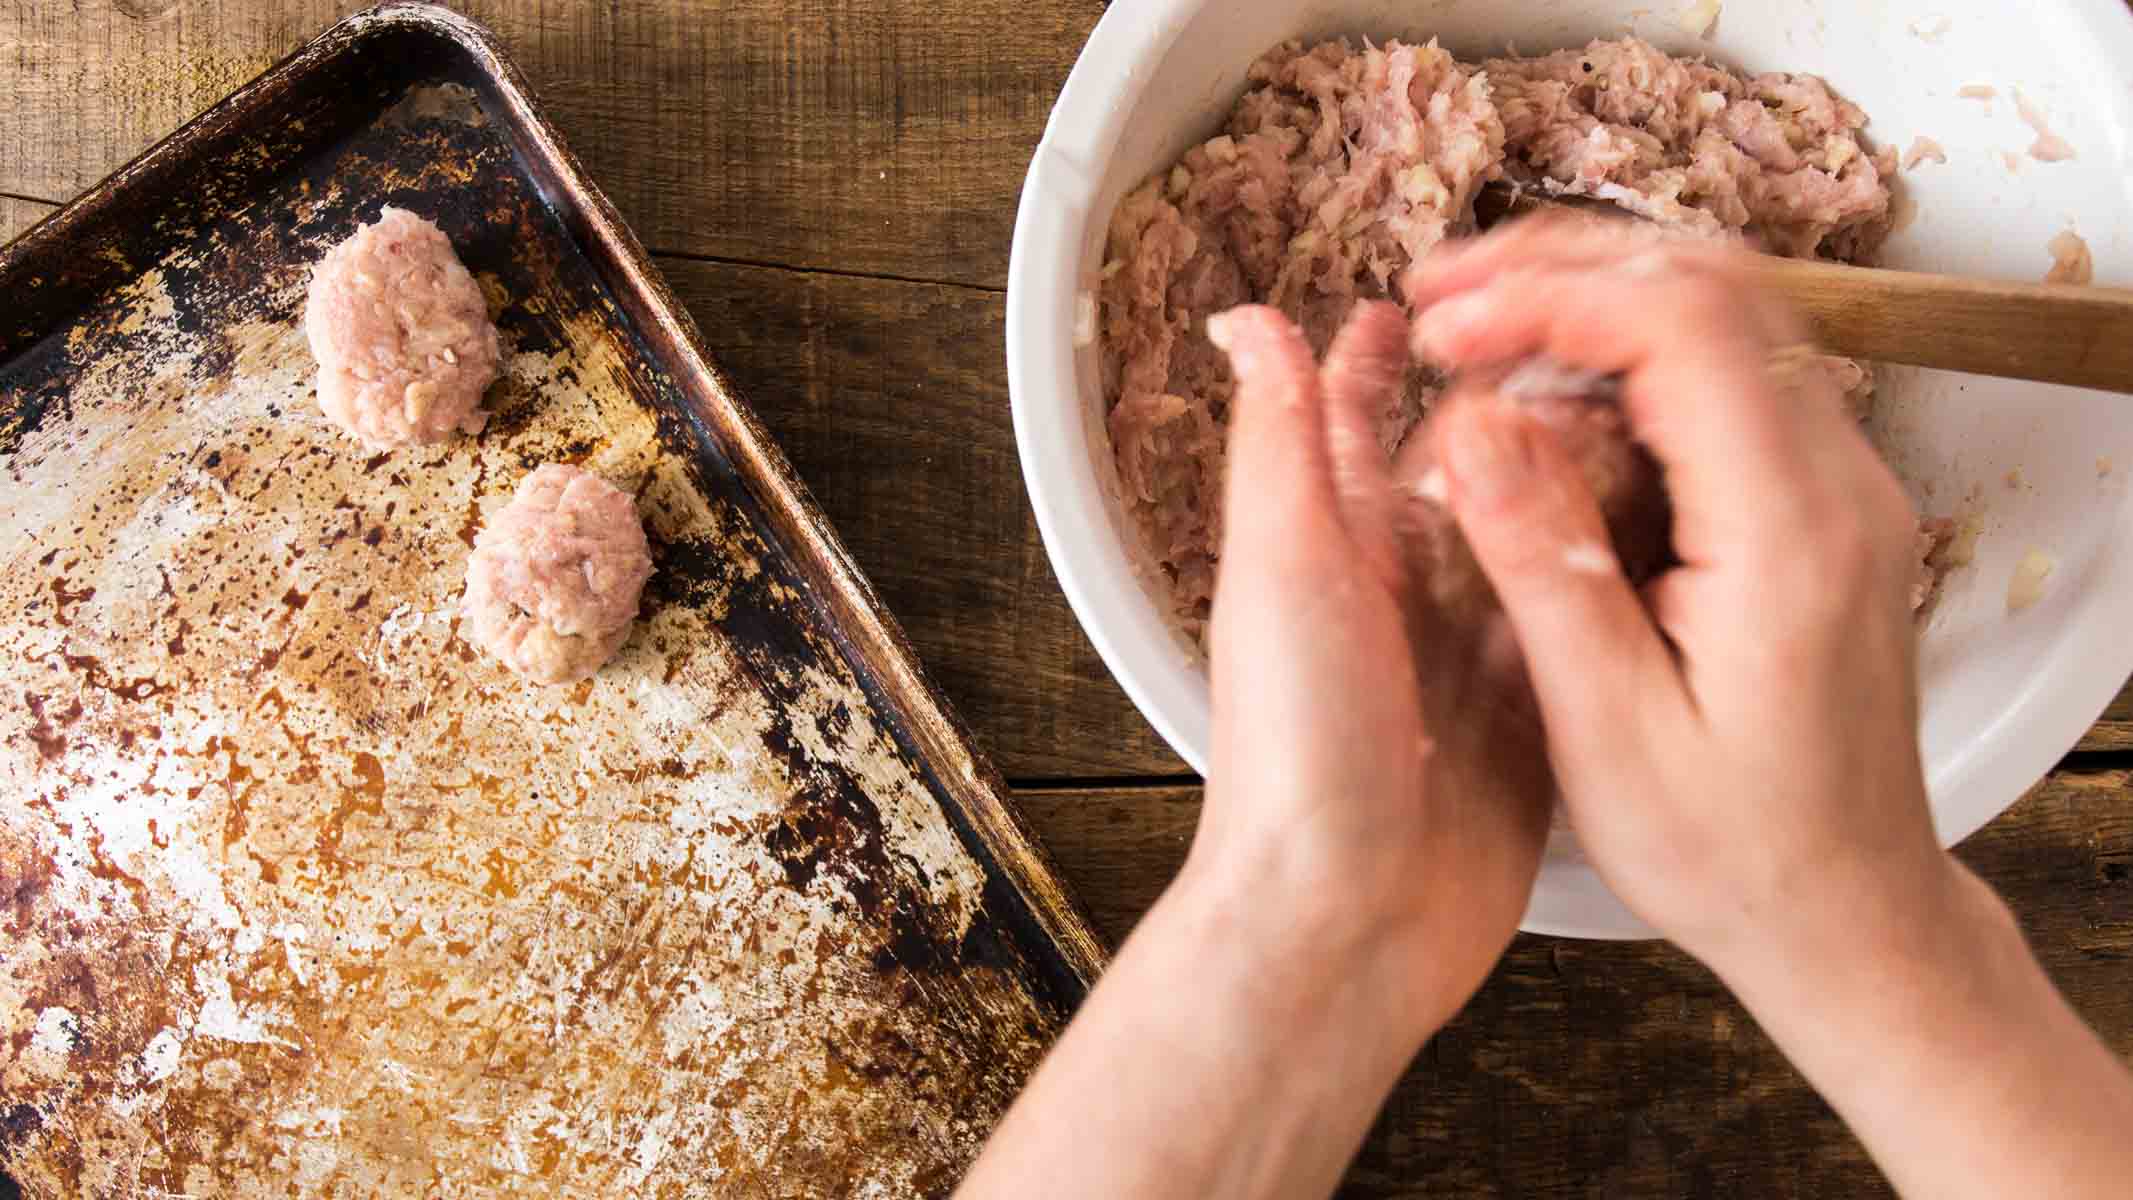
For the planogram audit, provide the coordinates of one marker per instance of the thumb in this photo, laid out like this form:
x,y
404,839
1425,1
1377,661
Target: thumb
x,y
1591,651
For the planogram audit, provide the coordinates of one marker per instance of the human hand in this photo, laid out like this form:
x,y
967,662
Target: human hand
x,y
1369,788
1739,757
1738,748
1362,859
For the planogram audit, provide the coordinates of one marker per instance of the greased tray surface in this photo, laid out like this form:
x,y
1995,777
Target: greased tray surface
x,y
299,894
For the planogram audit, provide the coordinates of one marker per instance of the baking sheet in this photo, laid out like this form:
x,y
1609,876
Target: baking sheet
x,y
301,894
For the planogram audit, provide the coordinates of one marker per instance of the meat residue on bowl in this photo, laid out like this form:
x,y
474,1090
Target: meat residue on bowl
x,y
1698,18
1923,149
1340,166
2071,260
2049,147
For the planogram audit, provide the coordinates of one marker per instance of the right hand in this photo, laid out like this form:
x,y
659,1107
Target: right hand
x,y
1737,747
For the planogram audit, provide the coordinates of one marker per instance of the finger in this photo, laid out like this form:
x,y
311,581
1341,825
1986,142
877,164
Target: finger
x,y
1536,530
1580,312
1619,275
1361,377
1280,481
1697,393
1559,239
1616,252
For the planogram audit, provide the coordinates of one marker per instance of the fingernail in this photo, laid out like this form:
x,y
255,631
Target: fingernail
x,y
1489,457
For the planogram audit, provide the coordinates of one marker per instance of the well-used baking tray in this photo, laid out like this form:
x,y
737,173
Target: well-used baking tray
x,y
300,895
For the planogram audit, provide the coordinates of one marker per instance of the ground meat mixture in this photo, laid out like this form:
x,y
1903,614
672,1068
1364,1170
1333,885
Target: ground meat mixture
x,y
1333,173
1341,166
1804,371
1934,546
1776,157
553,583
402,335
1583,411
2049,147
1923,150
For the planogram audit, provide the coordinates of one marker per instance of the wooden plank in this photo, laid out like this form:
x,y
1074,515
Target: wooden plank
x,y
1607,1068
17,215
891,400
2115,730
883,136
1117,847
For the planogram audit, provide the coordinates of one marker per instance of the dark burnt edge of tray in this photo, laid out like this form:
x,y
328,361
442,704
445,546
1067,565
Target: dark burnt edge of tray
x,y
108,235
339,82
1009,931
1023,886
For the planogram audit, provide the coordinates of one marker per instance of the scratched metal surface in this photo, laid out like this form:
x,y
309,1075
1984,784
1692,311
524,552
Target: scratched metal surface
x,y
300,895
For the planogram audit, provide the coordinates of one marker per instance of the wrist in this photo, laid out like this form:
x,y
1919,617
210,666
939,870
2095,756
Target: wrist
x,y
1317,955
1871,960
1851,913
1943,1045
1239,1045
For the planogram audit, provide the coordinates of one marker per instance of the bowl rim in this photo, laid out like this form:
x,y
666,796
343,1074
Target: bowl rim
x,y
2069,688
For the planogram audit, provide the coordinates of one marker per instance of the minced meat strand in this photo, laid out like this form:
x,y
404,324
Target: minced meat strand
x,y
1775,157
402,335
1340,166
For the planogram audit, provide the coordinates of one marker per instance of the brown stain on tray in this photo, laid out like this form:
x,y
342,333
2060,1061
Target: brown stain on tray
x,y
298,894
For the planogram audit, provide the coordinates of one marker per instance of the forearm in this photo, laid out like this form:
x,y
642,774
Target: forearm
x,y
1945,1047
1216,1057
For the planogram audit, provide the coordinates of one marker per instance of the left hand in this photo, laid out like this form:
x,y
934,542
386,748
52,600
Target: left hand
x,y
1361,860
1380,782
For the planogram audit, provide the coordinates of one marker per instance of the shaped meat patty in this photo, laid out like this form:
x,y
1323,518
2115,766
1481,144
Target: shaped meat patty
x,y
402,335
553,583
1583,412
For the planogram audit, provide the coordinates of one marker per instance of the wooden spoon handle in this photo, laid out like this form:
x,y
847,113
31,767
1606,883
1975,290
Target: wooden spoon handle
x,y
2055,333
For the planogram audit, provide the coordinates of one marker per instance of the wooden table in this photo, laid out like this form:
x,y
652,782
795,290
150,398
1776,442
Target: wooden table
x,y
830,185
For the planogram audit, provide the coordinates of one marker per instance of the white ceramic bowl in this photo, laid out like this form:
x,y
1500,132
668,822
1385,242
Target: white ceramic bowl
x,y
2005,695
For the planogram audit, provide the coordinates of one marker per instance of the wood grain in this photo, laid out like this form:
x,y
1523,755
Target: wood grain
x,y
17,215
2115,730
1624,1069
879,136
2047,332
2054,333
